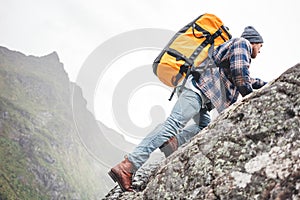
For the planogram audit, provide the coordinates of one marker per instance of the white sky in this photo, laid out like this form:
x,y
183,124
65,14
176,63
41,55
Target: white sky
x,y
75,28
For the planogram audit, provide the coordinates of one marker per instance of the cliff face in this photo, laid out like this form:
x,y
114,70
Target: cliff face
x,y
41,153
251,151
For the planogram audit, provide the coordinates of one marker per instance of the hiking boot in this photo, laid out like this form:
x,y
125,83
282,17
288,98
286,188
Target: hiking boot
x,y
122,174
169,146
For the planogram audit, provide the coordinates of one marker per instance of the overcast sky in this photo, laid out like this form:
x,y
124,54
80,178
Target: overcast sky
x,y
75,28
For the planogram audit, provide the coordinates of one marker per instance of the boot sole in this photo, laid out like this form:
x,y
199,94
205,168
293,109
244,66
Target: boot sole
x,y
115,179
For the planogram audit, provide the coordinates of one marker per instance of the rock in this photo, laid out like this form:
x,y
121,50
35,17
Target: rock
x,y
250,151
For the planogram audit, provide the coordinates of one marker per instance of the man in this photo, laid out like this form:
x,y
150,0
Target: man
x,y
218,87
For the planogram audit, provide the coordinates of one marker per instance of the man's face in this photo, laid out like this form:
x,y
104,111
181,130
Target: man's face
x,y
255,49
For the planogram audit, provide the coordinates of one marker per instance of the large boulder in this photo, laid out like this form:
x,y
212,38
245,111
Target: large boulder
x,y
251,151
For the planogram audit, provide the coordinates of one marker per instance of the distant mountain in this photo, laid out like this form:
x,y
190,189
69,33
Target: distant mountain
x,y
250,151
51,146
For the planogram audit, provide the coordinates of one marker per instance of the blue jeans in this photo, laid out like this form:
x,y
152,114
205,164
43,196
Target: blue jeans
x,y
188,106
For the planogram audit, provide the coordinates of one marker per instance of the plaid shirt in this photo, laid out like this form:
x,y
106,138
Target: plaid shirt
x,y
223,84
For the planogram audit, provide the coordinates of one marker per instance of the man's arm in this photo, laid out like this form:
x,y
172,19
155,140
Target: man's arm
x,y
239,66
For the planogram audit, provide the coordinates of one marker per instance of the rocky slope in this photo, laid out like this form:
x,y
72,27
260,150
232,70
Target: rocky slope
x,y
251,151
42,155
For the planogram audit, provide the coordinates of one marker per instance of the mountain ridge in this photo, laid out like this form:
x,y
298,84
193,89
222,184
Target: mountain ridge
x,y
41,115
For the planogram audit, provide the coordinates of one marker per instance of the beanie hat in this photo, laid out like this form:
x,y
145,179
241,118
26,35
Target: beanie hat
x,y
252,35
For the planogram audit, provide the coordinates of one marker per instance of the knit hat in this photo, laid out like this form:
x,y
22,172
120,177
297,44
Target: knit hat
x,y
252,35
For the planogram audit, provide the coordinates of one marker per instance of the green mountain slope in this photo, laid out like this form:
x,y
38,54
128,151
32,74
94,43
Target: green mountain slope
x,y
41,153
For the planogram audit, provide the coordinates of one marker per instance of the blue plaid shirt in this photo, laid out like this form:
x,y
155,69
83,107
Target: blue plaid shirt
x,y
223,84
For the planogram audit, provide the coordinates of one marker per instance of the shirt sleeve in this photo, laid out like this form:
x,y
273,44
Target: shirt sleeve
x,y
239,65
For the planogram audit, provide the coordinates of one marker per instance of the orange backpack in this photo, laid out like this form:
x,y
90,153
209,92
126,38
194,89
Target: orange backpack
x,y
188,48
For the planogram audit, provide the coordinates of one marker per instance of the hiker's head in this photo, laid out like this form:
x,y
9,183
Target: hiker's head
x,y
254,38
